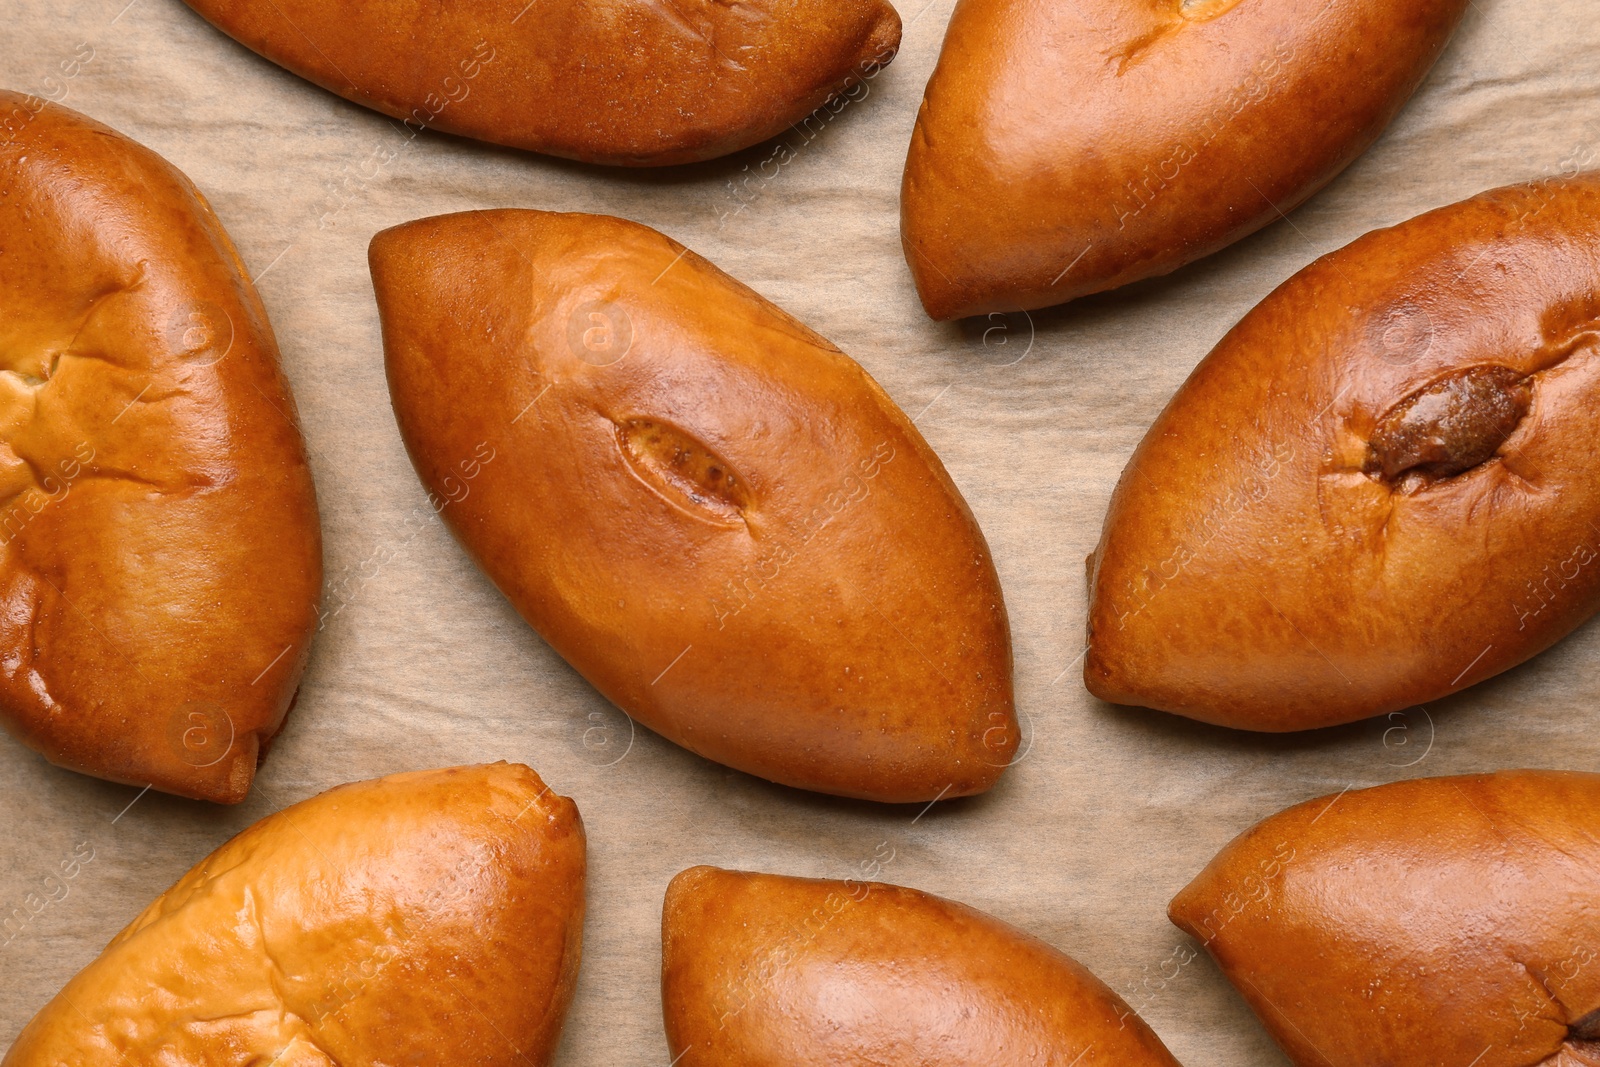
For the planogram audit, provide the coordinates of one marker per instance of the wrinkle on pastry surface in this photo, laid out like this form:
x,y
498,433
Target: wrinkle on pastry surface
x,y
431,916
160,554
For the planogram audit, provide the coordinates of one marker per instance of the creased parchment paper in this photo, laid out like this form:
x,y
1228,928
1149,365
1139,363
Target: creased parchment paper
x,y
421,663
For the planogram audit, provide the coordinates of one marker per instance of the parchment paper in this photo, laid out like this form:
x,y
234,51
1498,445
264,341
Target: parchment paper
x,y
421,663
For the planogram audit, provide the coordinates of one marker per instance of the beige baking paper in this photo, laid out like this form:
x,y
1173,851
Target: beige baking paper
x,y
423,664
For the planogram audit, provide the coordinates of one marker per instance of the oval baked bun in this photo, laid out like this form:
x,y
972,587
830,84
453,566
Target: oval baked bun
x,y
1065,149
434,917
1439,921
628,82
794,972
1381,487
160,558
711,512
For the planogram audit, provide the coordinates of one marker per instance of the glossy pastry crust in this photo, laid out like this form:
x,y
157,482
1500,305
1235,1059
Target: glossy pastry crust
x,y
711,512
160,557
1444,920
791,972
1380,488
1066,149
433,917
628,82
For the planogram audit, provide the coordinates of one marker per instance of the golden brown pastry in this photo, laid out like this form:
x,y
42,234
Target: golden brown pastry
x,y
160,558
1380,487
426,918
715,515
1440,921
1068,148
628,82
793,972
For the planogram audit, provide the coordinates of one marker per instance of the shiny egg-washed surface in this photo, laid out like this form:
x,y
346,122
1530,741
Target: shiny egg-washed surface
x,y
433,917
628,82
789,972
1435,921
1381,487
710,511
160,555
1066,149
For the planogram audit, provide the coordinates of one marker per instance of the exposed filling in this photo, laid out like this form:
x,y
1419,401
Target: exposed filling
x,y
1586,1028
1450,426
